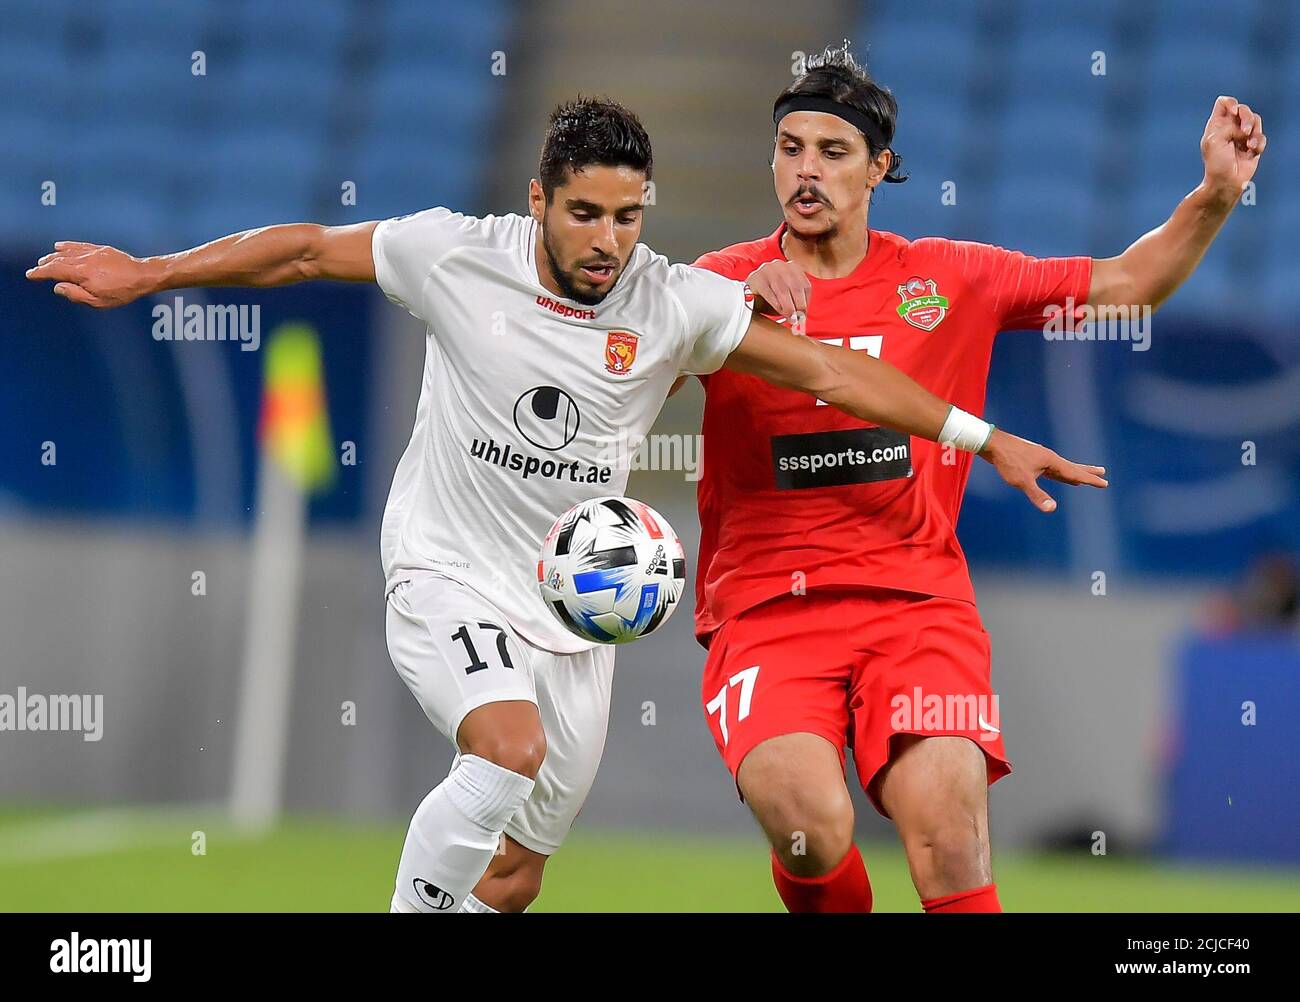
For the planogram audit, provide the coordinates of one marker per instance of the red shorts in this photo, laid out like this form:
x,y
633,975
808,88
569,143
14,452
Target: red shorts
x,y
856,666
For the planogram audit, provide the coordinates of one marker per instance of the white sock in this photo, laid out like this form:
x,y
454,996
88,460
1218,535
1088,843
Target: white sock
x,y
473,904
454,834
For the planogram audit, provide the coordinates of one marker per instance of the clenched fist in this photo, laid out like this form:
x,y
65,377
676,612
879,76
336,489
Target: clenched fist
x,y
1232,145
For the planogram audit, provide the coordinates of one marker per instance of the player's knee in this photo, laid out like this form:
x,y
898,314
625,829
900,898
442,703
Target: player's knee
x,y
521,752
810,826
815,848
507,733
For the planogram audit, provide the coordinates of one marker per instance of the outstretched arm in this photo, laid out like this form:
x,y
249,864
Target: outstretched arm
x,y
103,277
1160,261
873,390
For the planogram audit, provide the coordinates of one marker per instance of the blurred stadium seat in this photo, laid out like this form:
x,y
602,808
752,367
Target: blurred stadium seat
x,y
110,107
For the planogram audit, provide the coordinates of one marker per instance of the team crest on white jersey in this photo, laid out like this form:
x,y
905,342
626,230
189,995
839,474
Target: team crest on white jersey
x,y
922,306
620,352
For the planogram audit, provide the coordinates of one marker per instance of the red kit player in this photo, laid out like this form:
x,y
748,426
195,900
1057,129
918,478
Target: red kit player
x,y
832,594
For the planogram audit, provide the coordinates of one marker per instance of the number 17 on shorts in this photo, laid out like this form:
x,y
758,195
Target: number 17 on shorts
x,y
733,701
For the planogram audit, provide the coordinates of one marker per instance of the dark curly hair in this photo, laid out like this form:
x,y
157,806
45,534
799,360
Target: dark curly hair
x,y
588,131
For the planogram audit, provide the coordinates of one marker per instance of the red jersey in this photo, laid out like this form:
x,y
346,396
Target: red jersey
x,y
797,493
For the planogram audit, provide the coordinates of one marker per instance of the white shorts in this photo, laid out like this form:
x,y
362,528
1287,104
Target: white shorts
x,y
456,652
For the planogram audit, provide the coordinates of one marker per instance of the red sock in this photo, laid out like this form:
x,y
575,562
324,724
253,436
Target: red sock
x,y
977,899
844,889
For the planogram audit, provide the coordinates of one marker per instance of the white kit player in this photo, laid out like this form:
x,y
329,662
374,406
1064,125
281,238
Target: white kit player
x,y
549,336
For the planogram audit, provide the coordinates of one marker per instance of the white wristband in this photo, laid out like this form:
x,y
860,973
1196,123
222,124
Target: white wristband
x,y
965,431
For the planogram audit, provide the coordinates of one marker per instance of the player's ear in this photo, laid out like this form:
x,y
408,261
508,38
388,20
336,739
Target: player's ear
x,y
879,167
536,200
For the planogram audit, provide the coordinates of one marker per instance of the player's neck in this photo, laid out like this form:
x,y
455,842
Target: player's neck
x,y
834,255
542,265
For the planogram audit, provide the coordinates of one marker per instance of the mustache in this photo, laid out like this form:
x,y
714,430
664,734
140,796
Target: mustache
x,y
809,189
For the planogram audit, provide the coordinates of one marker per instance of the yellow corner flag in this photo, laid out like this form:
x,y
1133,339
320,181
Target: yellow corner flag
x,y
294,427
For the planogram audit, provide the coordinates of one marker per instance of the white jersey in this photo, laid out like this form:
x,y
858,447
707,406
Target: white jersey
x,y
526,397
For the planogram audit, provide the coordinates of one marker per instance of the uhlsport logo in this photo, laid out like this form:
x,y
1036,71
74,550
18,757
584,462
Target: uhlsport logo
x,y
433,895
620,352
921,305
547,417
547,303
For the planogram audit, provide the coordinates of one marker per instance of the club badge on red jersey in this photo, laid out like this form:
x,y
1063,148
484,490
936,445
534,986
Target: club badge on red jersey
x,y
620,352
921,305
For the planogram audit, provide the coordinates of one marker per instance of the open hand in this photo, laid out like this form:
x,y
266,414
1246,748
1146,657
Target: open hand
x,y
1020,463
92,274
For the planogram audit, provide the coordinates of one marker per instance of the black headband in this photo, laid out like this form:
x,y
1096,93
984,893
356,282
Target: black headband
x,y
859,120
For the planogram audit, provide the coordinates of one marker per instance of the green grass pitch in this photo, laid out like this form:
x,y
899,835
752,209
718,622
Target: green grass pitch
x,y
142,860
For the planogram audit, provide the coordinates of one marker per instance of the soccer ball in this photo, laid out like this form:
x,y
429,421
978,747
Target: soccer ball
x,y
611,570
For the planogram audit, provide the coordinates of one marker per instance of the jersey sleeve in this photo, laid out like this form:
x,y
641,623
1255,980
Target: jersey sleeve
x,y
716,317
1023,291
407,249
